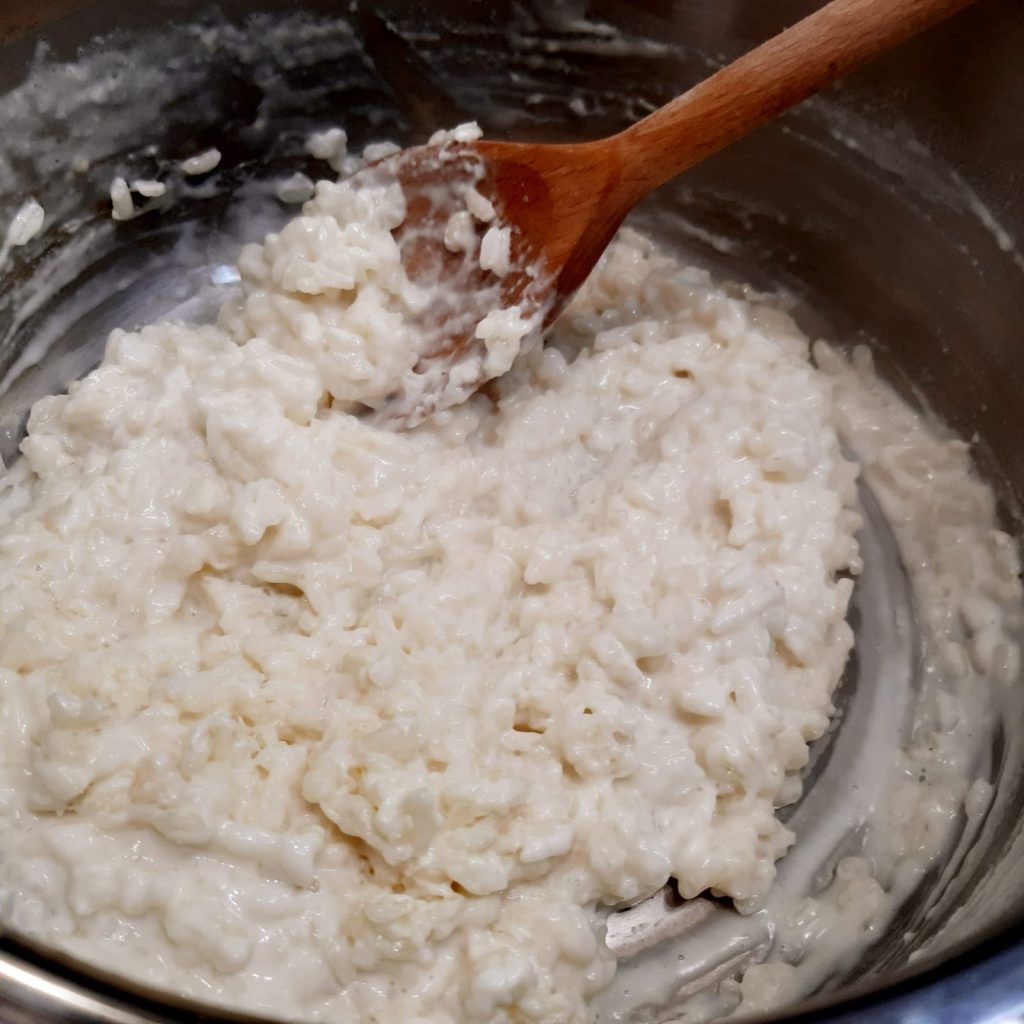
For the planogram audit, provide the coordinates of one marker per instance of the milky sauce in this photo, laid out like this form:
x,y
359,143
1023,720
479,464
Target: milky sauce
x,y
325,721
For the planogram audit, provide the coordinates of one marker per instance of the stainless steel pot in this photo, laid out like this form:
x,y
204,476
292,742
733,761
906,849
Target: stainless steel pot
x,y
891,208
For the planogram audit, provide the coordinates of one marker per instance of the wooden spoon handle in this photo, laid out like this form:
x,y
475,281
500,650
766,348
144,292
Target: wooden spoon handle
x,y
760,85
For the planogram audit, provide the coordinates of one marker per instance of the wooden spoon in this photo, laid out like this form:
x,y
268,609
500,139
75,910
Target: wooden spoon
x,y
564,203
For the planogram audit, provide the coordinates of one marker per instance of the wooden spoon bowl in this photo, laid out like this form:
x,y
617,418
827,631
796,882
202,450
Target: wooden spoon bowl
x,y
564,203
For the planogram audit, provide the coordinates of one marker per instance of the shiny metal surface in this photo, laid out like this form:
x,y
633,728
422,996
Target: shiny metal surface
x,y
890,208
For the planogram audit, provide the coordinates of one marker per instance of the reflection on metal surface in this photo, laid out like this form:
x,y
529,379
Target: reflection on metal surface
x,y
662,917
